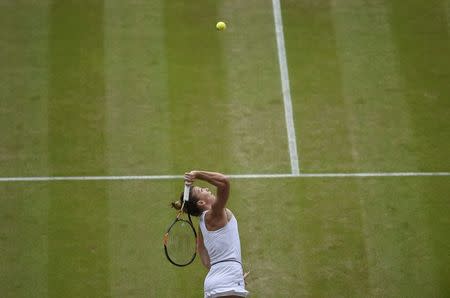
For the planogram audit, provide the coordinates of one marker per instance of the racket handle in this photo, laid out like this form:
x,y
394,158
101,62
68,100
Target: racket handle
x,y
186,192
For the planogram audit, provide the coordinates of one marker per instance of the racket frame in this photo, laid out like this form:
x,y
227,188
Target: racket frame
x,y
177,219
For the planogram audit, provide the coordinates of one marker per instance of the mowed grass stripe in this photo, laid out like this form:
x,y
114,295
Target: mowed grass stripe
x,y
405,218
447,10
316,87
77,89
23,240
137,115
378,115
78,213
437,208
23,147
333,242
23,88
365,53
258,139
198,130
138,120
422,41
382,133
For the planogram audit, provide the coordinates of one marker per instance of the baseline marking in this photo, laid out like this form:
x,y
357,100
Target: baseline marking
x,y
233,176
295,168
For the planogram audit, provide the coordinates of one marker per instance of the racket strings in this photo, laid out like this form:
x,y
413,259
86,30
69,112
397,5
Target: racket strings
x,y
181,242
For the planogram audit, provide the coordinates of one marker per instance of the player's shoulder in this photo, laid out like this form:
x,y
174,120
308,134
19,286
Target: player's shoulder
x,y
229,214
220,215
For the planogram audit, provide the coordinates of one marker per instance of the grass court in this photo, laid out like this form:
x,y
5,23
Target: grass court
x,y
112,88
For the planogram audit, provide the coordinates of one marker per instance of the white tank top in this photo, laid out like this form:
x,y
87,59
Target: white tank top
x,y
222,244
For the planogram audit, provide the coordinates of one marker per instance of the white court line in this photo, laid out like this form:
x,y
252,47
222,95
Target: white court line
x,y
233,176
295,168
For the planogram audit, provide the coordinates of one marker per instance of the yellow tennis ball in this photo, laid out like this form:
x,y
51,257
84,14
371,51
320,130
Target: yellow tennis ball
x,y
221,26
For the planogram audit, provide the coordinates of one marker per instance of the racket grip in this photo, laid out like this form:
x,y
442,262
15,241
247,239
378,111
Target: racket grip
x,y
186,192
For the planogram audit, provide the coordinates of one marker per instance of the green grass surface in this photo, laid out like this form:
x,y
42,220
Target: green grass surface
x,y
151,88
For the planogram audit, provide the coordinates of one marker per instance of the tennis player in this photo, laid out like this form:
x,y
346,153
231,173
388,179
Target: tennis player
x,y
218,242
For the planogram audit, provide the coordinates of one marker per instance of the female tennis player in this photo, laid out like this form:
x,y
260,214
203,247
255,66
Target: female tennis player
x,y
218,242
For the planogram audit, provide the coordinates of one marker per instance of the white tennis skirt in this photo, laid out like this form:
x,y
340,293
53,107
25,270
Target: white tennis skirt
x,y
225,279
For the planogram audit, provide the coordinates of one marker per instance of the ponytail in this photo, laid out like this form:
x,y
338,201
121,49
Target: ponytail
x,y
190,206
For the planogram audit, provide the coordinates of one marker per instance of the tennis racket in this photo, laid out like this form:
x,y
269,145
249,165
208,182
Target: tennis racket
x,y
180,240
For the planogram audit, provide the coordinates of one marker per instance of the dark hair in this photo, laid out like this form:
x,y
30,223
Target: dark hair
x,y
190,206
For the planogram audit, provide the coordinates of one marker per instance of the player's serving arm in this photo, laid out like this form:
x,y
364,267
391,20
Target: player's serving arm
x,y
218,242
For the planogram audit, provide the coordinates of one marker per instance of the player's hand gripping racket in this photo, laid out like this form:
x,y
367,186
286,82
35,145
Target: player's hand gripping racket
x,y
180,240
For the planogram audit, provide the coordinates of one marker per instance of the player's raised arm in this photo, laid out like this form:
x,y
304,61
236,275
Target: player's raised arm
x,y
219,180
